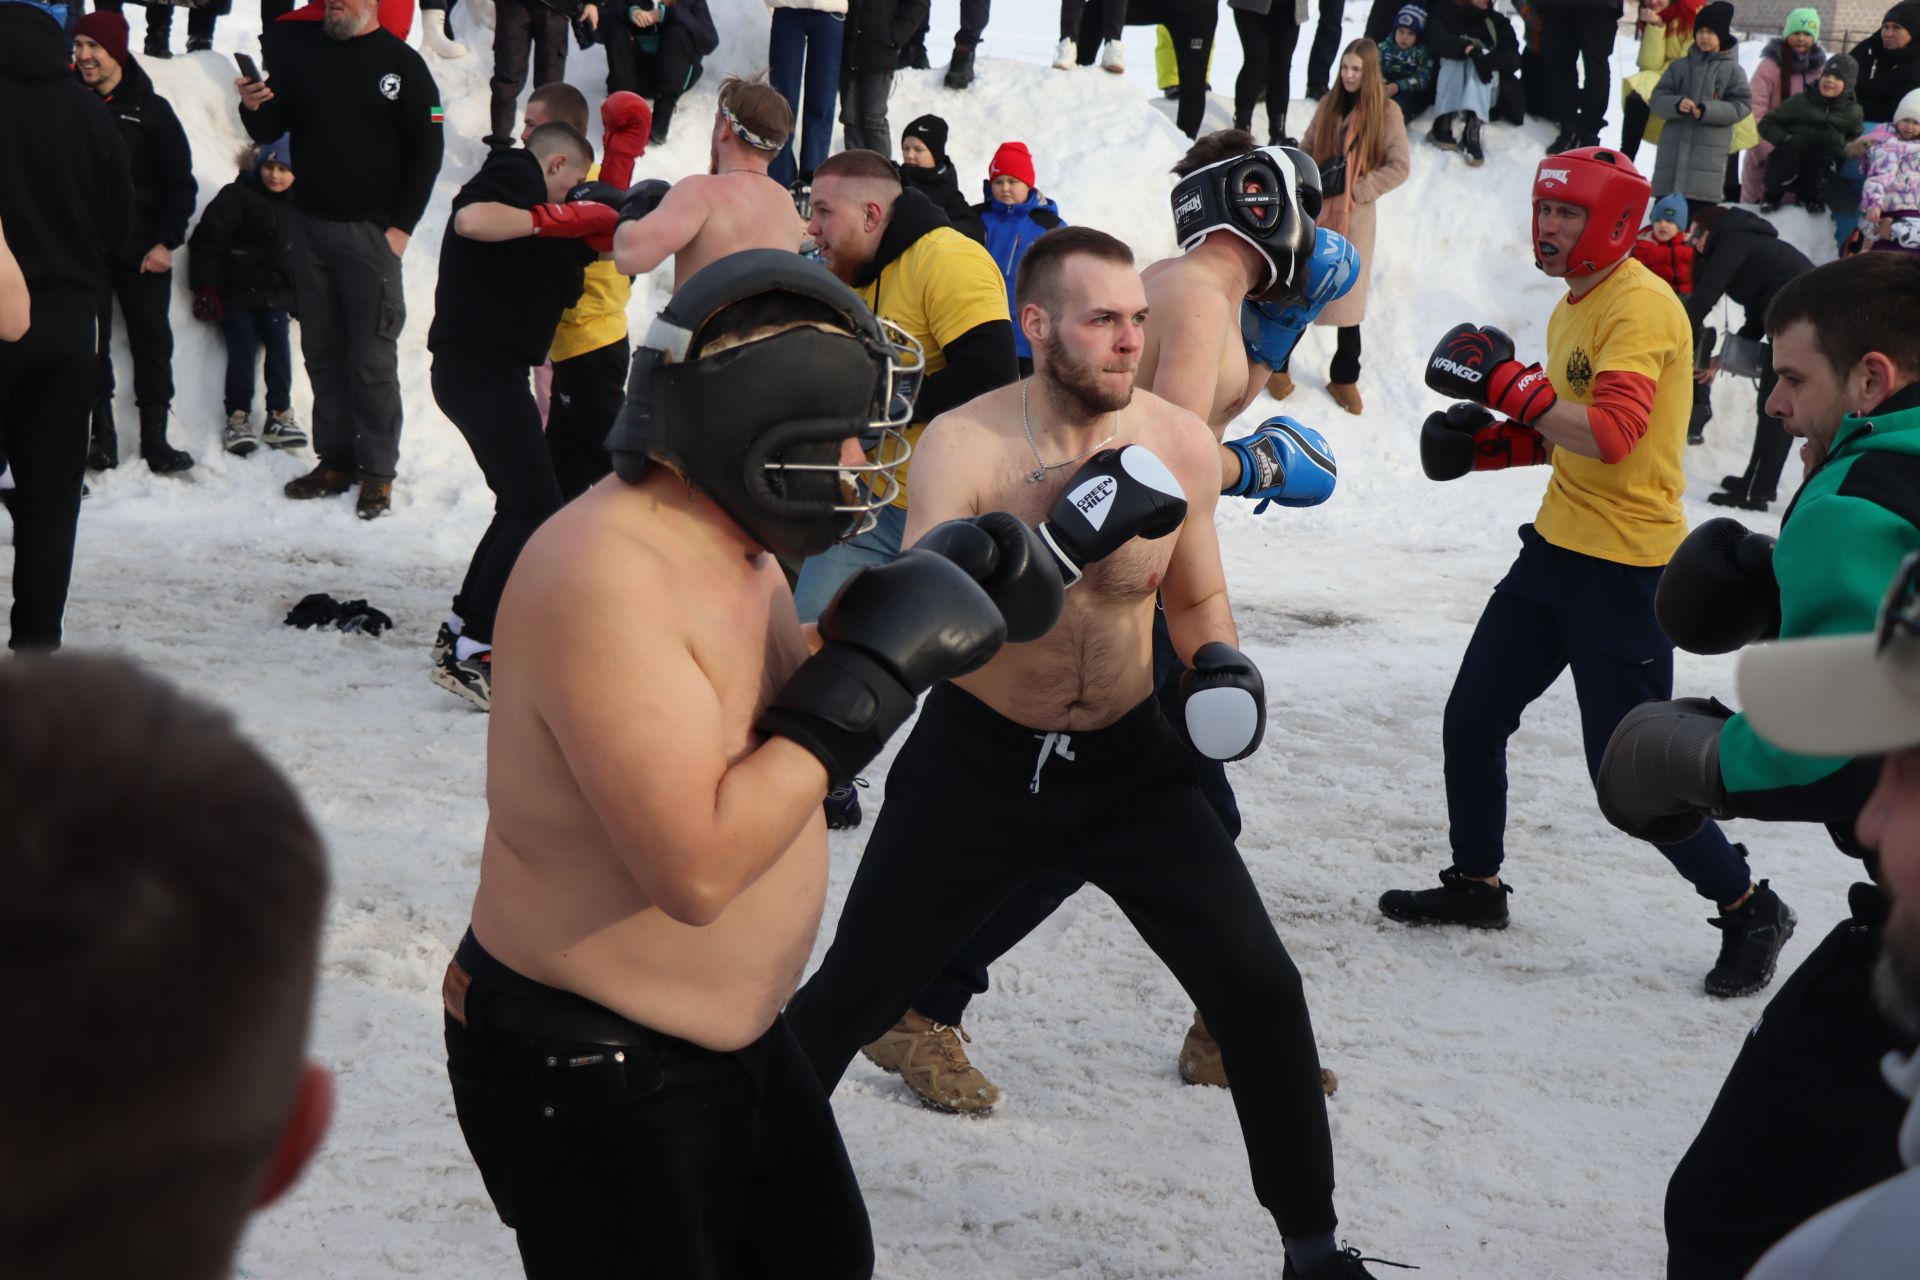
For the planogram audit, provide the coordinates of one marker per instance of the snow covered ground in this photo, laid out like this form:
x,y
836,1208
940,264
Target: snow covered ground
x,y
1510,1105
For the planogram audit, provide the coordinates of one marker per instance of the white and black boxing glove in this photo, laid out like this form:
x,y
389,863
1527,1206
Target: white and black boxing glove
x,y
1119,495
1224,702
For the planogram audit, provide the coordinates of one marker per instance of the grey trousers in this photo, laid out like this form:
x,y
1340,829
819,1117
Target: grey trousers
x,y
863,110
347,290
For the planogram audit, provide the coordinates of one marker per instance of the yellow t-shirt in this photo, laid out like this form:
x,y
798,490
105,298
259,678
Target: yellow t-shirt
x,y
600,317
1628,511
943,286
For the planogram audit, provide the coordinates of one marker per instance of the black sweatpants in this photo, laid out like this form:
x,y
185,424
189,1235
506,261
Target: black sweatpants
x,y
352,306
1267,42
1804,168
1121,808
46,391
588,390
1572,41
1190,26
659,76
1771,443
523,31
1112,17
144,298
1804,1119
612,1149
973,24
491,402
1326,45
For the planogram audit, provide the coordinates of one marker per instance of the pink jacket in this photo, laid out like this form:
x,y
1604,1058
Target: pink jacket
x,y
1765,83
1892,167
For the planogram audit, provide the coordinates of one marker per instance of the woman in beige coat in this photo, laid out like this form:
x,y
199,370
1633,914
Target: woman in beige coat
x,y
1359,138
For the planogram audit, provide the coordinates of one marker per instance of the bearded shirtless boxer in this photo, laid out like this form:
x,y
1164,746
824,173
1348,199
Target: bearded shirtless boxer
x,y
733,207
1056,757
655,858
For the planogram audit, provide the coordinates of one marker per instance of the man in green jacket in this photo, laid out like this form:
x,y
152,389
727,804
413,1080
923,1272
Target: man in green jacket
x,y
1803,1119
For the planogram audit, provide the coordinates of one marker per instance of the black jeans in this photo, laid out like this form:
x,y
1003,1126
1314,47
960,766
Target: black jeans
x,y
973,24
144,298
1804,1119
614,1150
660,75
1326,44
1112,17
1267,42
1012,804
523,31
352,306
1771,443
588,390
247,332
46,388
1570,40
491,402
1800,167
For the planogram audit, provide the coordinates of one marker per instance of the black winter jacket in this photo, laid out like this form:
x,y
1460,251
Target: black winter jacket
x,y
1886,76
1453,23
243,246
66,196
876,32
161,160
941,186
698,20
1747,261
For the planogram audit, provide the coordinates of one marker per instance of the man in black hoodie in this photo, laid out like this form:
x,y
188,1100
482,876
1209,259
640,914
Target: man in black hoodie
x,y
66,200
142,272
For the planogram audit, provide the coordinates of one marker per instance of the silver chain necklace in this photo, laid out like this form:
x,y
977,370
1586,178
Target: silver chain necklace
x,y
1039,472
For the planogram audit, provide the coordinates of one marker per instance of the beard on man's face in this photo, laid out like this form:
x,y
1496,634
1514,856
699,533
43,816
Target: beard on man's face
x,y
1896,976
1080,381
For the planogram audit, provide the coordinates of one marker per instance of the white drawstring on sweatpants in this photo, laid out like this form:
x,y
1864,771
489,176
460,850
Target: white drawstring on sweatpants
x,y
1051,744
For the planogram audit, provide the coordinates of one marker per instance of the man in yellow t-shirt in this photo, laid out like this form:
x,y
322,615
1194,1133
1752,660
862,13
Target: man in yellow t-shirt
x,y
1609,412
897,250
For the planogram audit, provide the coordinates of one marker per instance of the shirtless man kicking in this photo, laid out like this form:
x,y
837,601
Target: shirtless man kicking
x,y
655,859
733,207
1056,757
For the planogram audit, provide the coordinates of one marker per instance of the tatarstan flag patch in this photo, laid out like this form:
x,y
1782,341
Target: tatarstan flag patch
x,y
437,116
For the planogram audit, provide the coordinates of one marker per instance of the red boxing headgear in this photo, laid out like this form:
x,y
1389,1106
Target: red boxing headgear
x,y
1614,194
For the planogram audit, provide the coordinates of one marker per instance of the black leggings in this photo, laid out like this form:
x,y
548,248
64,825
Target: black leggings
x,y
1771,443
1189,27
1121,808
46,384
492,404
615,1150
1267,41
1345,366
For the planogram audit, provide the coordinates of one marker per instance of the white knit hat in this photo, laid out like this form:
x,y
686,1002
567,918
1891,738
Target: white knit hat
x,y
1909,108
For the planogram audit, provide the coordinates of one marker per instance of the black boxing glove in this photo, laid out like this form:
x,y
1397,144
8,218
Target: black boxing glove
x,y
1119,495
1477,364
890,632
642,198
1465,437
1010,560
1224,702
599,192
1718,593
1659,778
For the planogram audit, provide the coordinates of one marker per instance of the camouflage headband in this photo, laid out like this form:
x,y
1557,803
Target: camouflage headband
x,y
747,135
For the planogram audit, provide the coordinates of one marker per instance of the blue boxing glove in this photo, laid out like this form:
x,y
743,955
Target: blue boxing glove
x,y
1283,462
1271,330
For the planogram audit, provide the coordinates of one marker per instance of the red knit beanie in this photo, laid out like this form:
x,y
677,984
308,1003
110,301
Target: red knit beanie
x,y
106,29
1012,160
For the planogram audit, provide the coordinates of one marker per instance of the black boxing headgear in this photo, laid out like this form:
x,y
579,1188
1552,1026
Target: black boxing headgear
x,y
1269,197
758,427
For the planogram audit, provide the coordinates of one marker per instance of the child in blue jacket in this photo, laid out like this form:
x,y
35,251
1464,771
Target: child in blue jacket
x,y
1015,215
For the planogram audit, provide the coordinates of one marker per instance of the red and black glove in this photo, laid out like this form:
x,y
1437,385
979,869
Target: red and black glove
x,y
1477,364
207,304
1465,437
626,123
576,221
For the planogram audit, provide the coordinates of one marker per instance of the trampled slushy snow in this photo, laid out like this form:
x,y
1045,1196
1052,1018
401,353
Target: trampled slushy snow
x,y
1510,1105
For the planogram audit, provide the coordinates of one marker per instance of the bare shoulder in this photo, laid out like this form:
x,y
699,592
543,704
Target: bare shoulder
x,y
1173,432
588,566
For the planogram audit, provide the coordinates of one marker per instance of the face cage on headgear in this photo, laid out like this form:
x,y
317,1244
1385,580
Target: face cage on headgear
x,y
1268,197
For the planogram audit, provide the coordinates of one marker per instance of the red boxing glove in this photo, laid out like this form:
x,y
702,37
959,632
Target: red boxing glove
x,y
626,123
1500,445
1477,364
599,244
576,221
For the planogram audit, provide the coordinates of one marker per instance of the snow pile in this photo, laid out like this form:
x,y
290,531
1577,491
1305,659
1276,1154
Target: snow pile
x,y
1511,1105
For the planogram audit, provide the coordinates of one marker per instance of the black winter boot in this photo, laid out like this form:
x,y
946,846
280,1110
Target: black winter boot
x,y
156,41
960,70
162,458
104,453
1751,936
1470,140
1441,135
1460,899
1565,140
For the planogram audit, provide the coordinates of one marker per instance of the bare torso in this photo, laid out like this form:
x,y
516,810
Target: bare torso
x,y
1096,663
556,902
1185,292
744,210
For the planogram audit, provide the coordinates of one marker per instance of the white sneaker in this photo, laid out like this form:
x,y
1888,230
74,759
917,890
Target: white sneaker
x,y
1113,58
433,35
1063,56
237,437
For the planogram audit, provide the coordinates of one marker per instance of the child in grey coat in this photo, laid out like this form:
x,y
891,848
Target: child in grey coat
x,y
1701,97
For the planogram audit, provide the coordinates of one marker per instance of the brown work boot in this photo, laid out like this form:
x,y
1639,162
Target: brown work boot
x,y
928,1056
376,499
1200,1060
1346,395
322,482
1279,384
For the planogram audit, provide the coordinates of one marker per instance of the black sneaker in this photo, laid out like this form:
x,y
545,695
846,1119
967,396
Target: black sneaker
x,y
1751,936
842,806
1345,1264
1744,501
914,57
1460,899
1770,203
1814,206
1565,140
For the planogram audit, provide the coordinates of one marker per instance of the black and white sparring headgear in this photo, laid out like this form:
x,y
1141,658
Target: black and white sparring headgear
x,y
1268,197
758,427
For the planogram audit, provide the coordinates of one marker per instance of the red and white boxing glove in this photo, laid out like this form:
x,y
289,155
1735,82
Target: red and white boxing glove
x,y
1477,363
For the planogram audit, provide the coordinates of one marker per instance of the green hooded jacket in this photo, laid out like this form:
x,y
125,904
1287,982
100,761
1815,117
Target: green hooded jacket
x,y
1852,523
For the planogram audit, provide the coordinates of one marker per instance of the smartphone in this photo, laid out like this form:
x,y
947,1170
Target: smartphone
x,y
247,67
